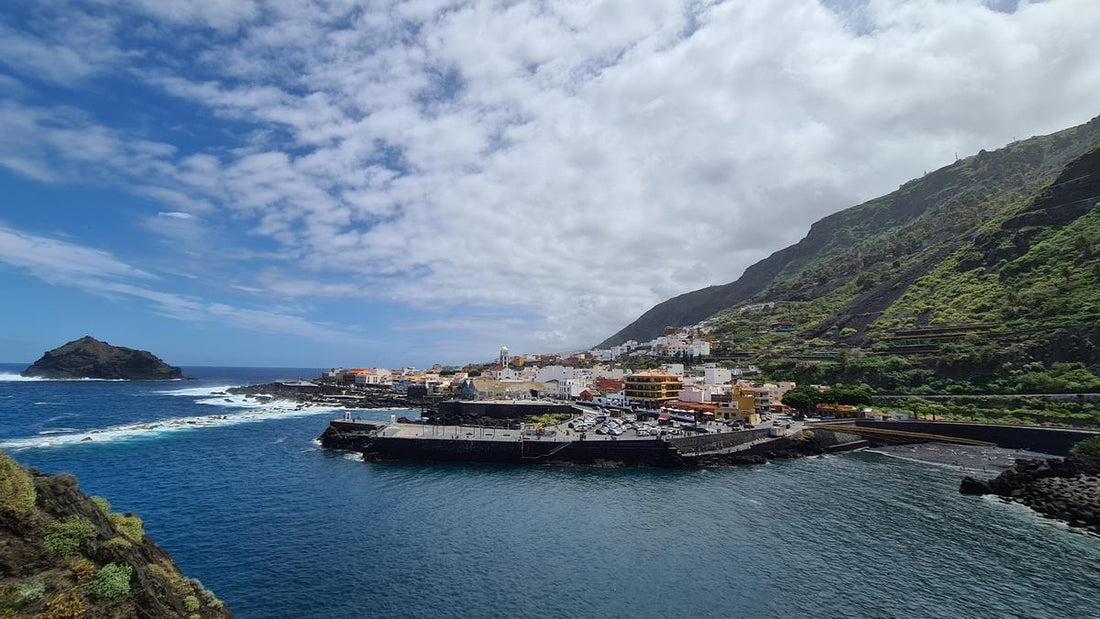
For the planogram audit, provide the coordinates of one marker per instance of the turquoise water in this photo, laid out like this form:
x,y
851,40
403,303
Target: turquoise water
x,y
279,527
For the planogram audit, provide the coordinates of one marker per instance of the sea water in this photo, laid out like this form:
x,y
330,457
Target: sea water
x,y
244,498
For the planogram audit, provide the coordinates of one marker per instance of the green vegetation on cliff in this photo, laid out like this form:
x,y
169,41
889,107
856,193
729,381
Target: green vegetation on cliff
x,y
980,277
863,258
63,554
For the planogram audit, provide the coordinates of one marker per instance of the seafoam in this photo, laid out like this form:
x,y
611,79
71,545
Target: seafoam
x,y
154,429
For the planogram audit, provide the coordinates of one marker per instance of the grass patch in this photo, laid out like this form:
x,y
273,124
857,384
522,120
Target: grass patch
x,y
1087,447
129,526
66,605
118,543
17,493
64,537
112,581
103,505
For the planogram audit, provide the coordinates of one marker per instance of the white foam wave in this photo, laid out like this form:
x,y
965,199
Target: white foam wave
x,y
196,391
61,416
243,401
19,378
154,429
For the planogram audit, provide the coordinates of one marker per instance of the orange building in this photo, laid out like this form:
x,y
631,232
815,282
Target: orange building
x,y
652,388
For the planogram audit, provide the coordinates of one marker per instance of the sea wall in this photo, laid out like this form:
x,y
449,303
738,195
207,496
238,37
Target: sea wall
x,y
627,452
711,442
1054,441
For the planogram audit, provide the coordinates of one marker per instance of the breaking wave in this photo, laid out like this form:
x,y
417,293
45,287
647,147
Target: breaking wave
x,y
196,391
155,429
18,378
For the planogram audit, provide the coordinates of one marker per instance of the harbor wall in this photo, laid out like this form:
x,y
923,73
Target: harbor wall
x,y
1053,441
711,442
628,452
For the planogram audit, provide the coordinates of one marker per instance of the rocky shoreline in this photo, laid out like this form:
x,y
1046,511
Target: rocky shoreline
x,y
323,395
1066,489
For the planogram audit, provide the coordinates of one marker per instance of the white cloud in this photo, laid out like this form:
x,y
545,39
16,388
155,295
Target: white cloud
x,y
98,272
572,162
175,215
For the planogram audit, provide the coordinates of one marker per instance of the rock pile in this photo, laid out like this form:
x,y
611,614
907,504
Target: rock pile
x,y
1065,489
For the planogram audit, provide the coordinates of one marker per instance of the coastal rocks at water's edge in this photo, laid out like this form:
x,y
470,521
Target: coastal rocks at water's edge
x,y
1064,489
92,358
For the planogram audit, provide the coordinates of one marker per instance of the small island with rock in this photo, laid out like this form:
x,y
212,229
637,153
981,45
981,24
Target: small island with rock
x,y
92,358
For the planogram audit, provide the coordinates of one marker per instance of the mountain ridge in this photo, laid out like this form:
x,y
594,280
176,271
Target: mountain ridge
x,y
911,229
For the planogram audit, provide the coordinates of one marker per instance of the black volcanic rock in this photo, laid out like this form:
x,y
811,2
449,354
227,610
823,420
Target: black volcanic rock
x,y
91,358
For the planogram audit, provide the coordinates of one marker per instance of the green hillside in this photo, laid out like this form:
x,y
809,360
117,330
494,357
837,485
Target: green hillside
x,y
853,266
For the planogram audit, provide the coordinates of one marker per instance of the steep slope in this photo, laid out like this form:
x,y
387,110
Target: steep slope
x,y
1037,267
63,554
864,257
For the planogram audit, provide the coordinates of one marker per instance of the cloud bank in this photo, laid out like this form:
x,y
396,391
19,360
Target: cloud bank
x,y
558,166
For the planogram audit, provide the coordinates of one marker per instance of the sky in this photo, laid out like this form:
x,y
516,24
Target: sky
x,y
306,184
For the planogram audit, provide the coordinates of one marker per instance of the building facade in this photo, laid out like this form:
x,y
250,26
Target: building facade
x,y
651,388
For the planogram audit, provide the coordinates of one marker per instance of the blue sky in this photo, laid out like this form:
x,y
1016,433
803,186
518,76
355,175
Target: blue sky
x,y
359,183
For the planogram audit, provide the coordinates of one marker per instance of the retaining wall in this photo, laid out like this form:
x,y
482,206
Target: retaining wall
x,y
1053,441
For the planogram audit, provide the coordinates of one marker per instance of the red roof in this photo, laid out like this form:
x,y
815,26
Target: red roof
x,y
609,384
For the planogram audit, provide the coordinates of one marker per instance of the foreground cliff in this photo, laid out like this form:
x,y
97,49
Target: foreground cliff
x,y
92,358
64,554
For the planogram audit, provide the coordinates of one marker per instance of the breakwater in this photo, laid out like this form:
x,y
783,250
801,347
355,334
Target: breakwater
x,y
396,441
467,444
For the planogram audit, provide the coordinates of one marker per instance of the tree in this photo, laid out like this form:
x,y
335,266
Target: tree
x,y
802,398
798,400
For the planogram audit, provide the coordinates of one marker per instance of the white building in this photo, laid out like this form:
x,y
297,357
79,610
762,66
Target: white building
x,y
699,348
716,376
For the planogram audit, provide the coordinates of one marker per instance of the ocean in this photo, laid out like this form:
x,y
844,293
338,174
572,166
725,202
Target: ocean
x,y
244,499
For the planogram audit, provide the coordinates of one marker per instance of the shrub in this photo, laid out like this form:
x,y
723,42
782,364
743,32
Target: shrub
x,y
130,526
103,505
16,488
83,571
67,605
118,543
167,573
210,599
112,581
1087,447
191,603
31,590
65,536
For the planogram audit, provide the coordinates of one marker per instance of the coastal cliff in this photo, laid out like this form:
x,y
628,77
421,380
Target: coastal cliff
x,y
64,554
92,358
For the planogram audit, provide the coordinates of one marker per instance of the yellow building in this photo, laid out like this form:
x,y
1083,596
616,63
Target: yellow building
x,y
652,388
744,399
737,414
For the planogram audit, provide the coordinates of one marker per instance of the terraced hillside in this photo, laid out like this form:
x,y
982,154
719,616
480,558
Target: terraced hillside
x,y
872,267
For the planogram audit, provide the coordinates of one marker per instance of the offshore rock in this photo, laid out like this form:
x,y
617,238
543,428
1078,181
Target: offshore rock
x,y
1064,489
91,358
